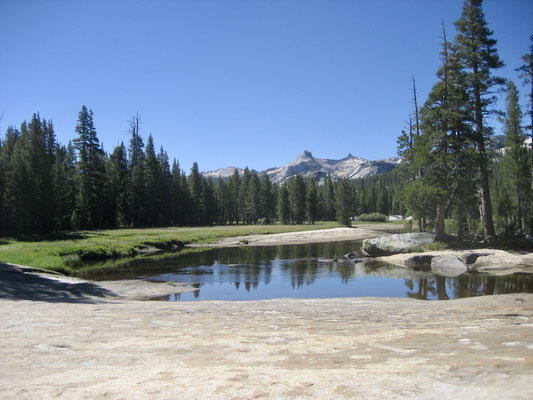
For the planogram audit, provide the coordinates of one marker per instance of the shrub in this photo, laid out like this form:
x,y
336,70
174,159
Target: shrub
x,y
71,260
373,217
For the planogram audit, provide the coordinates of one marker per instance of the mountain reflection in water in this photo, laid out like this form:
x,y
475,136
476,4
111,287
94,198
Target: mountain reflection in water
x,y
310,271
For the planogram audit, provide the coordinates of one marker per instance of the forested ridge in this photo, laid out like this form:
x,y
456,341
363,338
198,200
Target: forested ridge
x,y
47,186
446,174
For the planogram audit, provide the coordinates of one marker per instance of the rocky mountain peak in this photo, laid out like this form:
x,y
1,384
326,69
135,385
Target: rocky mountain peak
x,y
306,155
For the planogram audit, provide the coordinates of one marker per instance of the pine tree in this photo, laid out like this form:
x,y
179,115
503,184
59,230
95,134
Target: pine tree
x,y
23,191
90,172
527,76
253,199
28,198
345,201
477,54
444,138
383,201
195,191
165,183
284,210
119,181
268,199
311,201
516,160
9,216
178,202
209,205
222,198
64,183
297,198
137,192
329,199
152,183
43,207
234,187
243,192
186,209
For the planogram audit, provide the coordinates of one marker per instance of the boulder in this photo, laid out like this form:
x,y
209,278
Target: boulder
x,y
449,266
419,262
470,258
395,244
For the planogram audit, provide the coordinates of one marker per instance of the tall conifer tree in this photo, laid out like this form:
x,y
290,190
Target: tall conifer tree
x,y
297,198
345,202
195,191
119,180
268,199
137,161
311,201
284,209
152,184
516,162
526,71
477,54
234,187
90,171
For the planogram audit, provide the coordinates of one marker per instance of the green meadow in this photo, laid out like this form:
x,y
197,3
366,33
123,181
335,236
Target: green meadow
x,y
70,252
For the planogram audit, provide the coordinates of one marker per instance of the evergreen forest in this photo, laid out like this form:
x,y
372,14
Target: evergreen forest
x,y
449,181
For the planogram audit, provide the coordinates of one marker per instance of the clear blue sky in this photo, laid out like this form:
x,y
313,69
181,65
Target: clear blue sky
x,y
235,82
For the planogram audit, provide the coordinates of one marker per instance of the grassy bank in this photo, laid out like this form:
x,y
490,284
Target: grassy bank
x,y
68,252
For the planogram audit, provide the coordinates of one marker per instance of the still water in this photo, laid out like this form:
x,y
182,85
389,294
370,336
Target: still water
x,y
308,271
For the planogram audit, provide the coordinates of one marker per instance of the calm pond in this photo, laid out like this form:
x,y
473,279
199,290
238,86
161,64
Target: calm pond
x,y
307,271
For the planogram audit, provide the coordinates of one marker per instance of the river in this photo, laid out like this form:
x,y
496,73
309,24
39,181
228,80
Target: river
x,y
316,270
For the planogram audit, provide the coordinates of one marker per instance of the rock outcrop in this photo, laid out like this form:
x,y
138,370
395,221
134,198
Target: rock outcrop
x,y
450,266
395,244
471,258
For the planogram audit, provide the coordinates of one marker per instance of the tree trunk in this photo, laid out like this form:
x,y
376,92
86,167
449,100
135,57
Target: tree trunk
x,y
441,211
460,222
486,205
519,203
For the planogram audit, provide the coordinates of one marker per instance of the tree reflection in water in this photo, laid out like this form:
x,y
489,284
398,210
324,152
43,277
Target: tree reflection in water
x,y
469,285
313,270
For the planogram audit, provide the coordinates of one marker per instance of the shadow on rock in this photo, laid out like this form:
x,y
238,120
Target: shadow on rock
x,y
16,285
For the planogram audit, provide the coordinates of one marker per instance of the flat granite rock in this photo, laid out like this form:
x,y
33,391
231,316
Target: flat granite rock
x,y
479,348
395,244
450,266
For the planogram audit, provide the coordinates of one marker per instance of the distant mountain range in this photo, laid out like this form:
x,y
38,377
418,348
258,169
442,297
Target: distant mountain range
x,y
349,167
318,168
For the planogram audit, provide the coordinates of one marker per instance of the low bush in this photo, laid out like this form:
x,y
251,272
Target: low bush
x,y
373,217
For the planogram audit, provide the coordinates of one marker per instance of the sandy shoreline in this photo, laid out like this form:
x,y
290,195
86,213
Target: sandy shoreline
x,y
357,233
